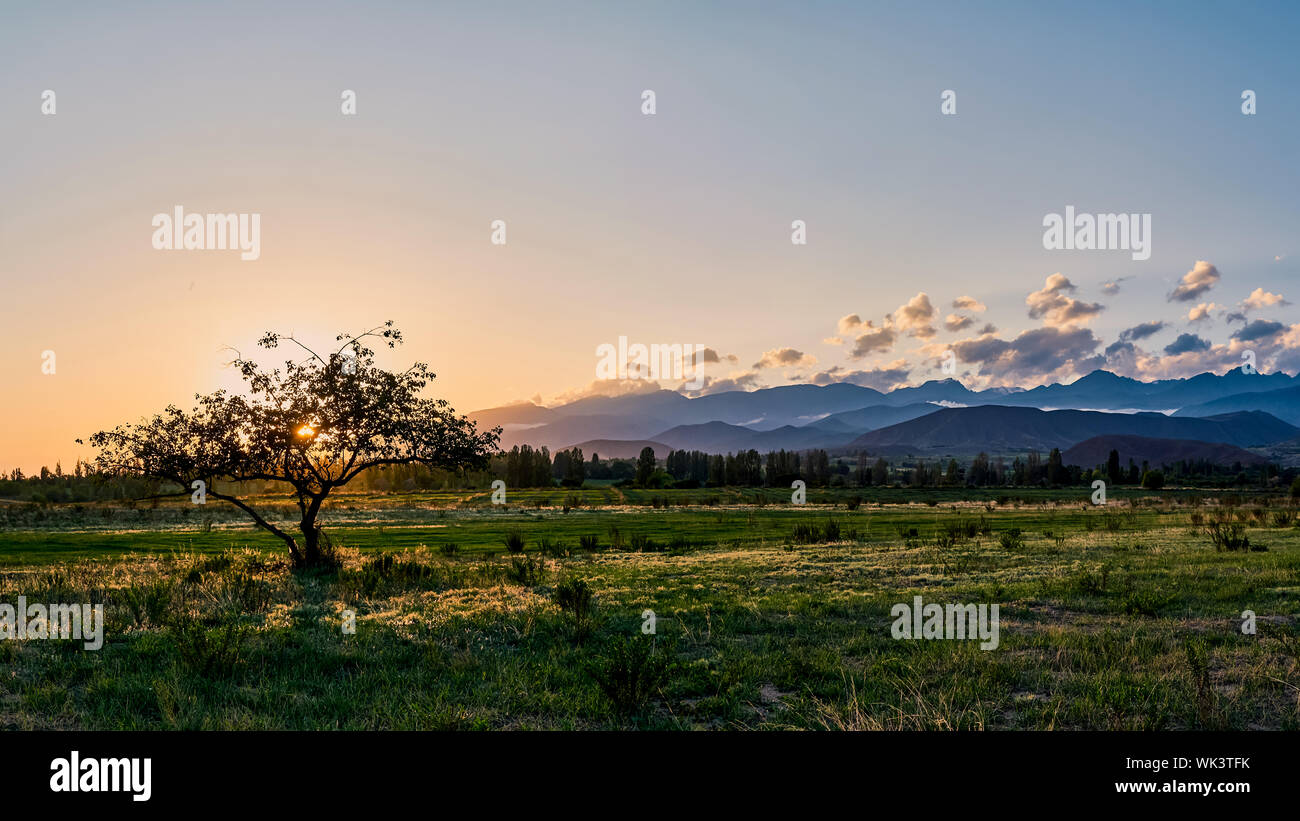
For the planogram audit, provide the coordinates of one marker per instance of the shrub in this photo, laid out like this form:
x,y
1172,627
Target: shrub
x,y
1228,536
526,571
575,599
209,652
1088,583
1011,539
804,533
149,603
514,541
588,542
387,571
810,533
553,549
449,549
628,671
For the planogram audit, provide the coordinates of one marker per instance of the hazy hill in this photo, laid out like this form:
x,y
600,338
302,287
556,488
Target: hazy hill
x,y
569,429
1284,404
862,420
621,448
719,437
1095,451
1001,429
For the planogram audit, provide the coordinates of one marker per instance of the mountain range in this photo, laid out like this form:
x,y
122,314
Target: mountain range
x,y
939,417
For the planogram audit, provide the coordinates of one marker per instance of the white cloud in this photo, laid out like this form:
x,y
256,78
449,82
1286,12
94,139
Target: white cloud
x,y
1195,282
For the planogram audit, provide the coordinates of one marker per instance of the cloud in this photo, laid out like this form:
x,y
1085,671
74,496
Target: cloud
x,y
1112,287
608,387
849,324
832,340
1034,355
956,322
885,378
1259,329
1201,312
1055,308
1275,346
1187,343
1259,298
874,340
784,358
969,303
1142,331
1195,282
915,316
735,382
710,357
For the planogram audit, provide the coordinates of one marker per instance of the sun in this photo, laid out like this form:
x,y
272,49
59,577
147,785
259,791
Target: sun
x,y
306,432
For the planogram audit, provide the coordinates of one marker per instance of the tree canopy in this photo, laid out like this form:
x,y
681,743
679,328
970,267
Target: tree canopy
x,y
315,424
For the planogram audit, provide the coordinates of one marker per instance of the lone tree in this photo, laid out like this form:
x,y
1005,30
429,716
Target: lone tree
x,y
316,425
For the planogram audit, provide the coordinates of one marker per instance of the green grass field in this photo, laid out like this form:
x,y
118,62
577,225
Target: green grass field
x,y
767,615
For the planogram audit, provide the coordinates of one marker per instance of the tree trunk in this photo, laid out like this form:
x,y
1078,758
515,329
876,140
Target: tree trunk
x,y
312,555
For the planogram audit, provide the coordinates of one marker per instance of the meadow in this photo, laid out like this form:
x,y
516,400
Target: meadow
x,y
766,615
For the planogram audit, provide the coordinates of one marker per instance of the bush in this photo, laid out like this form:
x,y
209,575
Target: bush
x,y
575,599
588,543
514,541
1153,480
526,571
810,533
387,572
1295,488
449,549
149,603
1011,539
555,550
1228,536
628,671
209,652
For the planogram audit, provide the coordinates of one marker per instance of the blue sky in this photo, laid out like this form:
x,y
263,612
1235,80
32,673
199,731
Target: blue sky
x,y
666,228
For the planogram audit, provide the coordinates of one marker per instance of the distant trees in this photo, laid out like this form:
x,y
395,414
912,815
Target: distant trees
x,y
880,472
861,470
645,465
688,466
1114,473
526,467
569,467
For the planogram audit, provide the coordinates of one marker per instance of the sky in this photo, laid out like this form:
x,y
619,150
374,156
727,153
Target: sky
x,y
924,230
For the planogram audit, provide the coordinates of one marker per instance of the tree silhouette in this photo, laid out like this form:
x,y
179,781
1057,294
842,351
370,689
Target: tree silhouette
x,y
316,425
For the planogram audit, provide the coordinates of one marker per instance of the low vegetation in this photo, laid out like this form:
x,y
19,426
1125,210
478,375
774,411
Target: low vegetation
x,y
731,615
